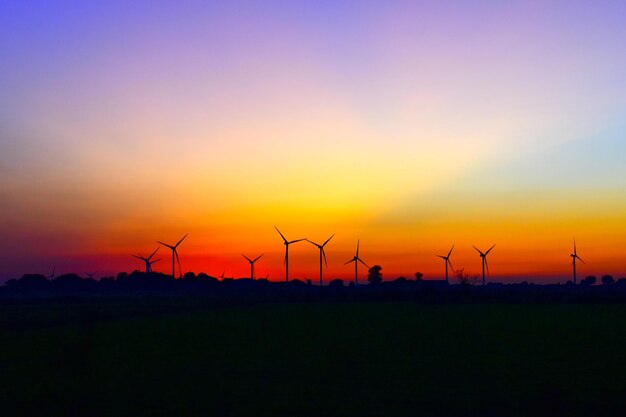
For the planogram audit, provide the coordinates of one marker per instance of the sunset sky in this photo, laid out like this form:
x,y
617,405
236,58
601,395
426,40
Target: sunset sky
x,y
410,125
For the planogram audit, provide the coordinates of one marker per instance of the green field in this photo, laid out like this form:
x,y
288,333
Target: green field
x,y
318,359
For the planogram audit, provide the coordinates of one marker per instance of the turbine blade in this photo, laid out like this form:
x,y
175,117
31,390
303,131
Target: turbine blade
x,y
487,253
249,260
180,270
441,256
477,250
450,263
487,266
328,240
165,244
324,256
281,235
156,250
358,243
359,259
138,257
578,257
296,241
311,242
179,242
258,257
450,253
351,260
155,261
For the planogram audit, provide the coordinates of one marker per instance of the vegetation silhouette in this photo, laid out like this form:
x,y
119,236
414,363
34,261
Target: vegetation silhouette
x,y
465,278
140,283
374,275
608,280
589,280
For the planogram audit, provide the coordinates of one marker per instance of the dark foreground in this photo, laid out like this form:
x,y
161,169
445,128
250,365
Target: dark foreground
x,y
142,357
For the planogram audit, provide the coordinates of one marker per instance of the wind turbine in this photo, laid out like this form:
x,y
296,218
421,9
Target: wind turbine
x,y
356,261
252,261
91,275
287,243
54,269
322,254
148,260
174,255
483,257
574,257
447,260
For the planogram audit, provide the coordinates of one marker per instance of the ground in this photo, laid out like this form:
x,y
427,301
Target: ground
x,y
143,357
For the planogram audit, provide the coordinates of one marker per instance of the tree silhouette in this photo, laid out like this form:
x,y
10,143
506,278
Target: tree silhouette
x,y
374,276
608,280
419,276
590,280
465,278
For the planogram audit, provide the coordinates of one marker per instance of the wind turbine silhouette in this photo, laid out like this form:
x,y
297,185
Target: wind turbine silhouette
x,y
252,261
174,255
356,261
54,269
447,260
148,260
91,275
322,254
483,257
287,243
574,257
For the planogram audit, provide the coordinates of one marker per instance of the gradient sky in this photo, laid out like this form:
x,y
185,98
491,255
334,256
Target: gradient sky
x,y
409,125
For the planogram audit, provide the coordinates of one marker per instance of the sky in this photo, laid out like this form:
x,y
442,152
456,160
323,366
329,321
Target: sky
x,y
408,125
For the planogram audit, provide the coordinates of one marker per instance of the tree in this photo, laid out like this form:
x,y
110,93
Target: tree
x,y
374,276
336,283
608,280
465,278
590,280
419,276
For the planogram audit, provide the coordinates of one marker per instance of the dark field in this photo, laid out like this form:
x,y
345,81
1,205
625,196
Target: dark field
x,y
172,357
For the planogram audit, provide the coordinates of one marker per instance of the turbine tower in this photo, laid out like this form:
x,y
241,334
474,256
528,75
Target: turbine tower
x,y
356,261
447,260
574,257
251,261
322,254
147,260
287,243
483,257
174,255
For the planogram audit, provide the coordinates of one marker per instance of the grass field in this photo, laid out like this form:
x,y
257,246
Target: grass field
x,y
318,359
